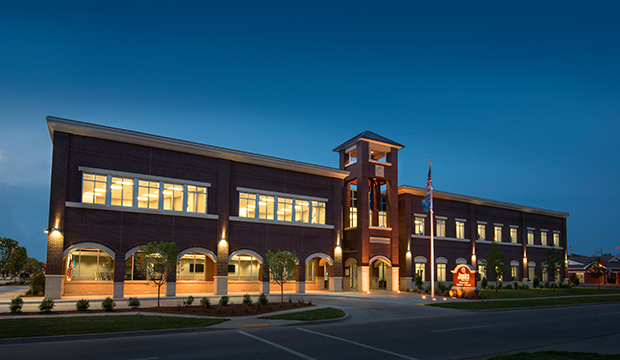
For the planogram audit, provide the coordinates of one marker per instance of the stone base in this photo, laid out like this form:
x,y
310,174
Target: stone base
x,y
464,292
337,284
265,287
171,289
221,285
300,287
53,286
118,290
406,283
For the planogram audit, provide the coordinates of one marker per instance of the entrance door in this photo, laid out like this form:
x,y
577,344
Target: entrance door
x,y
382,276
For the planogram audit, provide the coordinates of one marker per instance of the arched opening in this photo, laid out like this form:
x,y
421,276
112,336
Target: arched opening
x,y
245,271
88,268
195,271
350,275
319,271
380,273
420,267
441,264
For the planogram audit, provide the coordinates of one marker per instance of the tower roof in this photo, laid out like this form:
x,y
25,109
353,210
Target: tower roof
x,y
371,137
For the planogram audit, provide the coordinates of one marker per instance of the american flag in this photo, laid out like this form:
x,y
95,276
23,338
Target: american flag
x,y
426,202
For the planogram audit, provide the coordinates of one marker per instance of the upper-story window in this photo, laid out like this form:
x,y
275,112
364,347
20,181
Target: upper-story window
x,y
121,191
441,227
498,233
482,231
383,218
350,155
530,236
419,225
513,235
94,188
556,239
286,208
543,237
377,155
460,229
353,205
147,193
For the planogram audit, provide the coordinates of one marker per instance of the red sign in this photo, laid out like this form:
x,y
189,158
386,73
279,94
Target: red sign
x,y
464,275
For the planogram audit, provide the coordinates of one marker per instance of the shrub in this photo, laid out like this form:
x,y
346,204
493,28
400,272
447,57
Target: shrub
x,y
525,287
290,299
224,300
515,285
535,282
247,300
16,304
108,304
232,308
46,305
500,285
491,286
418,282
180,305
262,298
540,286
508,287
133,302
205,302
188,301
575,280
484,282
309,302
547,285
441,286
82,305
37,286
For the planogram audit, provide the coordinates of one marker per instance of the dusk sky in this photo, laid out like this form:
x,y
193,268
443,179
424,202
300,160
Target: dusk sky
x,y
515,101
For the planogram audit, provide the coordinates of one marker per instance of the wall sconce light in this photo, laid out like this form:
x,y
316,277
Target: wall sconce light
x,y
51,231
223,242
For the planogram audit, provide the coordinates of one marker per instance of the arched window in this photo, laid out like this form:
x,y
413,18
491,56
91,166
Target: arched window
x,y
192,267
243,267
89,264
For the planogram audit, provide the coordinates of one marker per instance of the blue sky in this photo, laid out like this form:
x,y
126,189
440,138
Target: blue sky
x,y
514,101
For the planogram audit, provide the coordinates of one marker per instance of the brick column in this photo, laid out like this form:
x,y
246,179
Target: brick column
x,y
119,275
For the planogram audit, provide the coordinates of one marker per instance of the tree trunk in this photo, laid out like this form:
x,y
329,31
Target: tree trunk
x,y
158,290
281,294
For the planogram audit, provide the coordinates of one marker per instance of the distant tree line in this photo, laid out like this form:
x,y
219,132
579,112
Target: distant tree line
x,y
14,259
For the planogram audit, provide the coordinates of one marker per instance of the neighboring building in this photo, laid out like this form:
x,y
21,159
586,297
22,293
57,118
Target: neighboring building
x,y
354,229
578,266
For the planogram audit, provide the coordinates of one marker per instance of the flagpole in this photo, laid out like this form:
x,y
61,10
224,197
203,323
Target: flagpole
x,y
432,240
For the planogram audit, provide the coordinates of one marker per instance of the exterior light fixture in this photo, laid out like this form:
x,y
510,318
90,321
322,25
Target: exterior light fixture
x,y
223,242
434,299
46,231
424,297
444,299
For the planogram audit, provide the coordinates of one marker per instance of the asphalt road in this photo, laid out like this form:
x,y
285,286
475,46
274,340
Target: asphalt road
x,y
431,334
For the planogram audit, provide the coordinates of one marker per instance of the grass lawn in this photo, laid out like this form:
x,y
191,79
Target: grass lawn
x,y
47,326
554,355
484,305
534,293
317,314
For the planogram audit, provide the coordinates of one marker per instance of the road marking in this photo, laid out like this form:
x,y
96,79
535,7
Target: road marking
x,y
248,325
152,358
278,346
359,344
465,328
614,313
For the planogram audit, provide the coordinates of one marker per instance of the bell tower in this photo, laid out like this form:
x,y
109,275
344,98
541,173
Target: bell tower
x,y
370,212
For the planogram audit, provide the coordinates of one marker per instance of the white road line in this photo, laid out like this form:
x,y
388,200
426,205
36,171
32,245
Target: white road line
x,y
465,328
614,313
151,358
359,344
278,346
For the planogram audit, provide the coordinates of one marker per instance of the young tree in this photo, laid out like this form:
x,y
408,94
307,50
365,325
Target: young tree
x,y
16,261
6,248
156,260
597,269
495,264
555,263
281,265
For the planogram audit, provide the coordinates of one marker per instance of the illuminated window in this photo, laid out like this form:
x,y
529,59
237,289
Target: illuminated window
x,y
556,239
419,225
514,272
419,270
441,272
530,236
266,207
318,212
481,232
93,188
196,199
531,272
173,197
191,267
545,273
351,157
121,191
498,233
244,268
441,228
513,235
353,206
543,238
89,265
302,211
247,205
311,270
285,209
482,268
383,218
460,230
148,194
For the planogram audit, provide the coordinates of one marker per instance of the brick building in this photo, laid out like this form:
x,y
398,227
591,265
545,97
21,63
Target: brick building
x,y
113,190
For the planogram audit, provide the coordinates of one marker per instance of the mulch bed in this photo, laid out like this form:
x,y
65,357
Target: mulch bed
x,y
240,310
